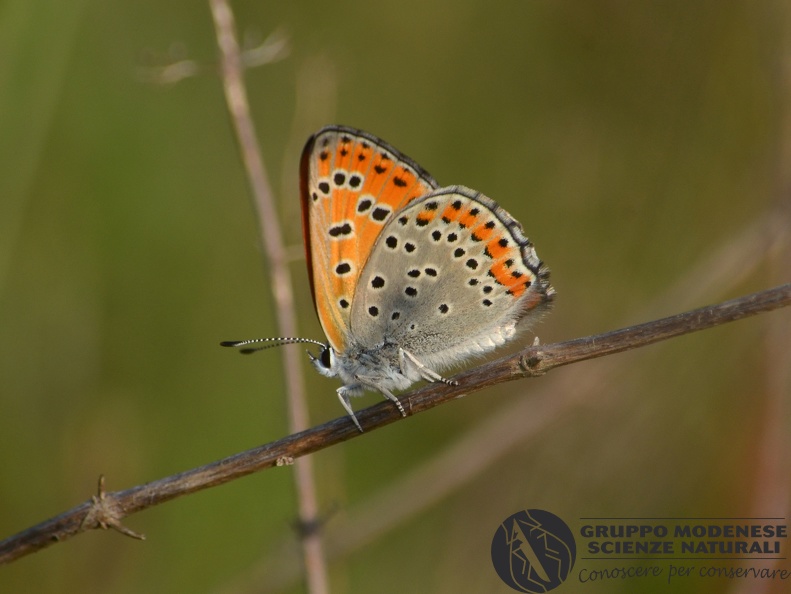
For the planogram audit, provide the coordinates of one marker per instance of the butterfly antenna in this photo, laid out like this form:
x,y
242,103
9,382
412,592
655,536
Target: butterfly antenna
x,y
273,342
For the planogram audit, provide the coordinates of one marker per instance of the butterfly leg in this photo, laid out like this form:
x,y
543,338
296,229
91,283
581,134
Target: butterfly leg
x,y
343,396
373,385
389,395
426,373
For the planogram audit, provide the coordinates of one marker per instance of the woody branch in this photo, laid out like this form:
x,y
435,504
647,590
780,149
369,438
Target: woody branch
x,y
108,508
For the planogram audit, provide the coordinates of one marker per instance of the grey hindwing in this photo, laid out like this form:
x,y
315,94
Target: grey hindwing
x,y
446,269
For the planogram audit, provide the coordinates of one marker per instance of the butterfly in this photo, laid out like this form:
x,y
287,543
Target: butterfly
x,y
408,278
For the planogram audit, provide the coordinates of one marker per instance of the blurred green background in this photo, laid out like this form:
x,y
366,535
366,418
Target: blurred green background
x,y
633,140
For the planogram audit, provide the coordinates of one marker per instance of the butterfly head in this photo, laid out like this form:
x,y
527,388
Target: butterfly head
x,y
326,363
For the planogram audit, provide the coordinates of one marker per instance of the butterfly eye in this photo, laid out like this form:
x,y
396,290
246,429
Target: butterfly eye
x,y
325,358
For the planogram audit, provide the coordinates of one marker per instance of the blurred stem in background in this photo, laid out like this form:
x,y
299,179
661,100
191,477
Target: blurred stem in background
x,y
232,69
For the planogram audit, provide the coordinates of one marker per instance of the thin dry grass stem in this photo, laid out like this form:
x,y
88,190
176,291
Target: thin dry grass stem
x,y
524,419
530,362
232,70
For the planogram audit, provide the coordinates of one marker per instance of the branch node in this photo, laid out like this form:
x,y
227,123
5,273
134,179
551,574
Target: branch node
x,y
105,513
530,363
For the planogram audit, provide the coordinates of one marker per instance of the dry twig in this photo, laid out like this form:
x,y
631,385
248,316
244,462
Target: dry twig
x,y
520,421
530,362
